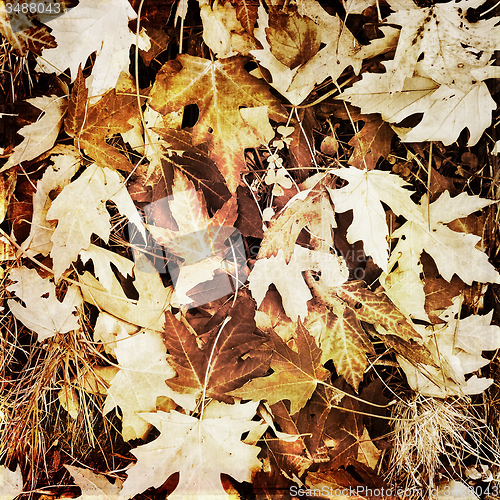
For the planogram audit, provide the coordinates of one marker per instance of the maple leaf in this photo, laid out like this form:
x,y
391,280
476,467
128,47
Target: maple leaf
x,y
200,240
99,26
91,125
200,450
234,354
296,374
142,359
66,161
147,311
223,32
40,135
446,110
448,46
288,277
364,194
33,39
246,12
282,75
11,483
80,210
193,80
310,208
342,339
94,485
456,347
46,316
453,252
371,142
293,38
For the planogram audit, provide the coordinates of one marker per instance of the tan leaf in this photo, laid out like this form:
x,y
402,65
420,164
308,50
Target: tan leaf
x,y
199,449
148,311
40,135
67,161
93,485
44,313
32,39
96,25
144,369
288,278
80,210
192,80
11,483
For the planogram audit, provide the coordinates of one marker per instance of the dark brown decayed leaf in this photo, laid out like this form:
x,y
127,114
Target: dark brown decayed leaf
x,y
246,12
235,354
296,374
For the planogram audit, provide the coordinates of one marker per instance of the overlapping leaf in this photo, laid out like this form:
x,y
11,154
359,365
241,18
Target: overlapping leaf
x,y
192,80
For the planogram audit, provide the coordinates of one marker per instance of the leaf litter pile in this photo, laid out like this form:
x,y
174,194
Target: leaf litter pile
x,y
249,250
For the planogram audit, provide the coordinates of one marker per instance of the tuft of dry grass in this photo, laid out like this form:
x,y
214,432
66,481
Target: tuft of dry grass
x,y
435,437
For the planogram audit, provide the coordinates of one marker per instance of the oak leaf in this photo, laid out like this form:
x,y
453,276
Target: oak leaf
x,y
41,135
142,359
295,374
233,353
80,210
44,313
99,26
91,125
93,485
200,450
193,80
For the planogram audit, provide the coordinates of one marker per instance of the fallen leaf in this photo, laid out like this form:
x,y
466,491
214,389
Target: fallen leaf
x,y
11,483
192,80
44,313
453,252
93,25
92,124
231,358
80,210
141,379
288,278
147,312
364,194
199,449
293,38
448,47
94,485
295,374
40,136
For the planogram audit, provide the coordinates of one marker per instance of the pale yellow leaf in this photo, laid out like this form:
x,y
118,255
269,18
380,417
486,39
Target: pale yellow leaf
x,y
44,313
40,135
